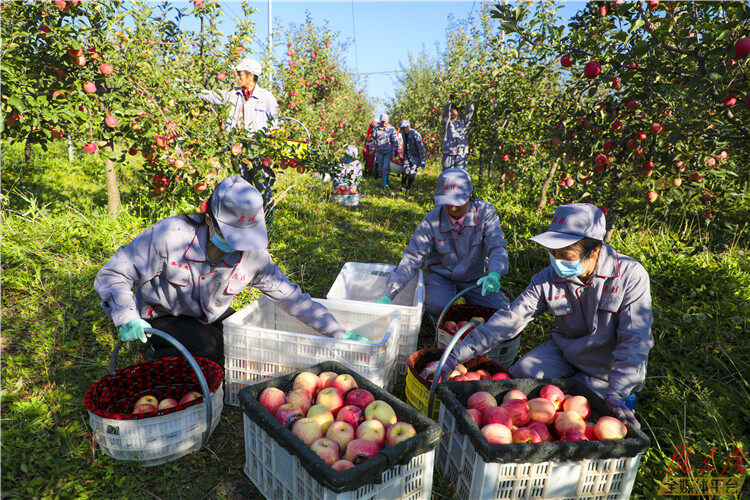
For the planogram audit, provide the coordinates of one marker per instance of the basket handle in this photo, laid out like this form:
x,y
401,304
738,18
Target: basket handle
x,y
506,293
285,118
193,365
448,349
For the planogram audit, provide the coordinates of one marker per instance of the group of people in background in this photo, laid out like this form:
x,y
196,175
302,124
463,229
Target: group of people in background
x,y
181,274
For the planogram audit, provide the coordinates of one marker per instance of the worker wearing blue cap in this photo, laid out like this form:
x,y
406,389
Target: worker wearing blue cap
x,y
181,274
456,135
386,146
464,238
601,302
414,157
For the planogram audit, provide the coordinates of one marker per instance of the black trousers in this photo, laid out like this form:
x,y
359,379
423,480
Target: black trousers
x,y
204,341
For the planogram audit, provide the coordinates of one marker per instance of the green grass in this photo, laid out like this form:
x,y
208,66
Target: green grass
x,y
56,340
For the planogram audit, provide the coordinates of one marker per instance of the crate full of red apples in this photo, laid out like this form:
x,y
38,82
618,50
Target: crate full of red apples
x,y
327,432
531,438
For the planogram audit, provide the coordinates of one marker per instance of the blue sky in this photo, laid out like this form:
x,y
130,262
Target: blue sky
x,y
386,32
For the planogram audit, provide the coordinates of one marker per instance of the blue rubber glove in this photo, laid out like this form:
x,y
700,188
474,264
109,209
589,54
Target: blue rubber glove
x,y
619,409
450,364
383,300
490,283
354,336
421,165
133,330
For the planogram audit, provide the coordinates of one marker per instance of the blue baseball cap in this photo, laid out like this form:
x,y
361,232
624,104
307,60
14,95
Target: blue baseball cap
x,y
351,150
405,123
238,209
572,223
454,187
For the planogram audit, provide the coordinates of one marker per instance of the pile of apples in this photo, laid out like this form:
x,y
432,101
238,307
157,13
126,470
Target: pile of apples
x,y
461,373
149,402
343,424
346,190
552,417
452,327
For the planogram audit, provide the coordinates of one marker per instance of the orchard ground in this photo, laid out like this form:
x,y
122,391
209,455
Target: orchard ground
x,y
56,340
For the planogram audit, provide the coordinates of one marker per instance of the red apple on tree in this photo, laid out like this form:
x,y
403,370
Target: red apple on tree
x,y
89,87
106,69
592,69
565,61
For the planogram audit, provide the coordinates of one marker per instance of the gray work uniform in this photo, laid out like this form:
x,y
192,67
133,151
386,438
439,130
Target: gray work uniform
x,y
602,332
414,157
455,137
386,147
171,274
258,112
458,258
348,173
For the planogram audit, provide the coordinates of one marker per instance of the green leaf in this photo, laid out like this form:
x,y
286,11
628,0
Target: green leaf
x,y
639,23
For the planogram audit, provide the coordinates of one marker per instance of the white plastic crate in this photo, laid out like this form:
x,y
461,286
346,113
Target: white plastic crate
x,y
156,440
505,353
279,475
363,282
474,478
261,341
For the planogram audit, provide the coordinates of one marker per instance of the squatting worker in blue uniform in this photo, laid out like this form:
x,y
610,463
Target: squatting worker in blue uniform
x,y
251,108
463,235
181,274
456,135
601,301
386,146
414,157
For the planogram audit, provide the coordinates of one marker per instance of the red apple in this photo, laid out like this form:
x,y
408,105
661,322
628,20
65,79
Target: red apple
x,y
541,430
481,401
565,61
695,176
359,450
541,410
110,121
359,397
656,128
167,403
327,450
307,381
90,148
325,380
592,69
144,408
344,383
567,421
89,87
578,404
526,435
271,398
301,398
730,100
148,399
288,414
331,398
200,187
351,414
341,433
106,69
610,428
472,376
514,394
483,374
221,77
651,196
741,48
497,434
190,396
476,416
518,409
554,394
496,415
342,465
653,4
574,435
236,149
308,430
381,411
589,432
372,430
500,376
616,125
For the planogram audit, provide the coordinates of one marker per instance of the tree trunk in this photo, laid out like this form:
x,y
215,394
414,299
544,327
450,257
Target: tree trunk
x,y
113,189
27,152
542,202
71,150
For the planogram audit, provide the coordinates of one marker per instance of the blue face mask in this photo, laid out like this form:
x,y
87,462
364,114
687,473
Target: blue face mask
x,y
567,268
221,244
